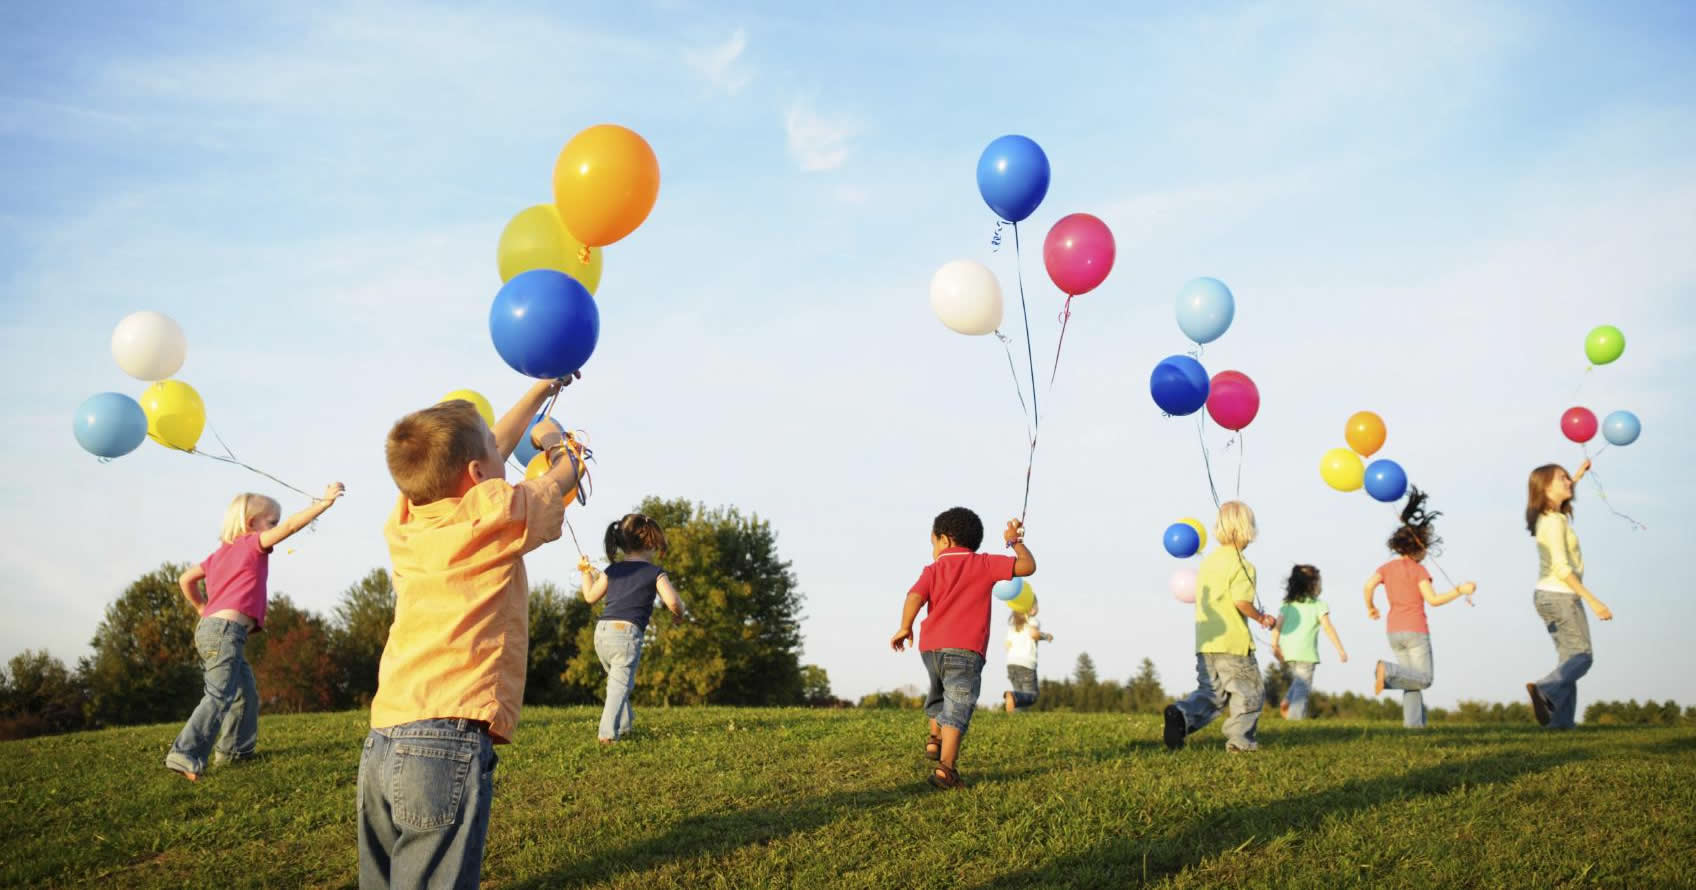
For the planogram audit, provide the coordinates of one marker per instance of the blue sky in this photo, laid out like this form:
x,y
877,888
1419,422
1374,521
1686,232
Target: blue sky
x,y
1421,212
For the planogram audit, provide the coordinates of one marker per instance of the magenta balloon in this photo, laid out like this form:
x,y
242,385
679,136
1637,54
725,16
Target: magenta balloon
x,y
1579,425
1078,253
1233,400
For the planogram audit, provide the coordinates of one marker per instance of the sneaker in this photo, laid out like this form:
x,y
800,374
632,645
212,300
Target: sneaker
x,y
1234,748
1539,704
1176,728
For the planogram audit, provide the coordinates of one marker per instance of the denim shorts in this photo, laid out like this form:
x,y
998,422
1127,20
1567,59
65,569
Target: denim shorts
x,y
956,676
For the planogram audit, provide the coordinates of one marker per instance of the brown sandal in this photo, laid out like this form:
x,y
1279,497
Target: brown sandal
x,y
933,747
946,777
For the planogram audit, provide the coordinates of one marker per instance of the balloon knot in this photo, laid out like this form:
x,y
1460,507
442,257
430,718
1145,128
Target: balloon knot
x,y
995,239
583,255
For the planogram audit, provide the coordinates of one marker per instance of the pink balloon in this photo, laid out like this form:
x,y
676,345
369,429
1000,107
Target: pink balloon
x,y
1078,253
1233,400
1183,585
1579,425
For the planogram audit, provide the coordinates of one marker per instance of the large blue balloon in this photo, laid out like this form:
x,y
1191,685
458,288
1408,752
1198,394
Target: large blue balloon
x,y
1386,480
1179,385
544,324
1622,428
1013,177
1205,309
1182,540
109,424
1007,590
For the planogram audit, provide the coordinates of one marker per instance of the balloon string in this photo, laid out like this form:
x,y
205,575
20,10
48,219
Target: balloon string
x,y
995,238
229,457
1242,454
1030,363
1207,463
1603,494
1065,316
1581,381
1018,388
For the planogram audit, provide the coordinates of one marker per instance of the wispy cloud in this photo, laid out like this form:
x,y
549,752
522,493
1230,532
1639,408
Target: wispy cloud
x,y
817,142
718,63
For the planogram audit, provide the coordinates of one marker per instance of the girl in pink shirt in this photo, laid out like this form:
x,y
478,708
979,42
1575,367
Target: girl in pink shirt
x,y
231,606
1407,587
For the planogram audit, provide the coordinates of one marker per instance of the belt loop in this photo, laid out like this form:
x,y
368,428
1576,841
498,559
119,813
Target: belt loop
x,y
460,723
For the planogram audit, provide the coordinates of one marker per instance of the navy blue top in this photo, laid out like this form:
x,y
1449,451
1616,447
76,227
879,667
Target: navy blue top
x,y
631,588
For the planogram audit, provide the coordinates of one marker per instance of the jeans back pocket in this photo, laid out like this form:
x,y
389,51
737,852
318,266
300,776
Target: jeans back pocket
x,y
427,782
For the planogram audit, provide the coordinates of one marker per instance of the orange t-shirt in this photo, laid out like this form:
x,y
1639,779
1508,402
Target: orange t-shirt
x,y
461,636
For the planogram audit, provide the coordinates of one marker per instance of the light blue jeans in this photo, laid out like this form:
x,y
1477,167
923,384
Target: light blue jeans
x,y
1411,673
1024,685
956,678
1563,615
1301,683
424,793
619,645
228,714
1225,681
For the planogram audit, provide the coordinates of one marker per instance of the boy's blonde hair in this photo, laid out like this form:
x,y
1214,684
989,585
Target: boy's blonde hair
x,y
1017,620
428,450
1235,527
238,519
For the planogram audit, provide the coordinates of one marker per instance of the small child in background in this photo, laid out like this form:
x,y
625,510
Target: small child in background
x,y
226,722
955,635
629,586
1227,674
1023,634
1295,641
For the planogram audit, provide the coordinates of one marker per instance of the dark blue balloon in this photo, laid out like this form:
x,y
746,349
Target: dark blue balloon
x,y
1179,385
1385,480
109,424
1013,177
1182,540
544,324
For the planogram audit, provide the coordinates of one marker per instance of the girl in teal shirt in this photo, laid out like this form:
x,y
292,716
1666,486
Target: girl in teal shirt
x,y
1295,641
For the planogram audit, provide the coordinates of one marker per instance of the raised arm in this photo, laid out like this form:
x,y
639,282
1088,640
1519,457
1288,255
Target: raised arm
x,y
1024,564
516,420
271,537
1433,598
1330,631
1582,469
1372,585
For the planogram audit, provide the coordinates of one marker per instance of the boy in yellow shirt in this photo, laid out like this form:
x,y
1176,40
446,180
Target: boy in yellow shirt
x,y
452,675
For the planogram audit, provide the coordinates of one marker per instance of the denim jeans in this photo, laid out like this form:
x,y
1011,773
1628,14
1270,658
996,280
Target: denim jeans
x,y
1223,681
1024,685
956,677
619,645
424,792
1411,673
228,714
1563,615
1301,683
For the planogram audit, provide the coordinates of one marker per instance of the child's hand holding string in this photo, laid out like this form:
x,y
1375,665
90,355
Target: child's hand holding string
x,y
1015,533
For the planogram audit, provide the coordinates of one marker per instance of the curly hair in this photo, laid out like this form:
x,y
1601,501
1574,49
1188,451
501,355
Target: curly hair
x,y
1303,584
1417,536
961,524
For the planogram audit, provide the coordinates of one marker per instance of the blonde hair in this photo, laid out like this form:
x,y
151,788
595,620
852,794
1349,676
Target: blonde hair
x,y
1235,527
238,519
428,450
1017,620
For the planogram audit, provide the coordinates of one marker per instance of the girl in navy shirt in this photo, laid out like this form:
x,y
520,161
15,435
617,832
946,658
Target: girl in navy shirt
x,y
629,586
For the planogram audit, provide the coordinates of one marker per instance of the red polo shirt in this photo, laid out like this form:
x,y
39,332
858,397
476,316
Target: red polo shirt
x,y
955,589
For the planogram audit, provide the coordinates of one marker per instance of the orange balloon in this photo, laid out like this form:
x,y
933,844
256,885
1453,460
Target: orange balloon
x,y
1365,433
605,183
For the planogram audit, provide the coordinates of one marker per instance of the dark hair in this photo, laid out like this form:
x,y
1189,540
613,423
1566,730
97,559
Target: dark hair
x,y
1536,499
633,534
961,524
1302,586
1417,536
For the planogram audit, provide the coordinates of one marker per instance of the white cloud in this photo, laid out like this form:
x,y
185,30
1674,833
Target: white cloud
x,y
718,64
817,142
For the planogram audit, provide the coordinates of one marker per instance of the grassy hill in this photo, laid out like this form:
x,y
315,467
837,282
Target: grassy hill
x,y
712,797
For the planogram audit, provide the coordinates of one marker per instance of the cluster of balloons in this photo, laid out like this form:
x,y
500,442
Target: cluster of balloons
x,y
1343,469
544,322
147,346
1016,593
1184,539
1603,345
1180,385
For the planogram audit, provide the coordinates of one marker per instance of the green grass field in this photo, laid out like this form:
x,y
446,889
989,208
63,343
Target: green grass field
x,y
712,797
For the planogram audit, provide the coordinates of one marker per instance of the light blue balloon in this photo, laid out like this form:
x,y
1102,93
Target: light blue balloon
x,y
109,424
524,452
1205,309
1622,428
1007,590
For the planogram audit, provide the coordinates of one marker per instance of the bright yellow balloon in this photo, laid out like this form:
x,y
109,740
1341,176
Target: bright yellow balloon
x,y
1341,469
605,183
536,239
175,414
1200,530
484,409
1025,599
539,466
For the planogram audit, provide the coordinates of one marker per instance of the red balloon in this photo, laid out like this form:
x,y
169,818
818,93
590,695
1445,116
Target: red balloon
x,y
1579,425
1233,400
1078,253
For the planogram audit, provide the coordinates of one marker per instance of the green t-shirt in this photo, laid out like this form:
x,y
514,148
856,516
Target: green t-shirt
x,y
1298,632
1224,580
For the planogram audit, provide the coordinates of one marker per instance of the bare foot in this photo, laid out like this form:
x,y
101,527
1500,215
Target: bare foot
x,y
192,777
1378,679
1008,698
1284,710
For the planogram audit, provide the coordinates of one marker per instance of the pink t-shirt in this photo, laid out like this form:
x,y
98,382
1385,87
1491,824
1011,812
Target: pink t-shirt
x,y
235,578
956,590
1407,605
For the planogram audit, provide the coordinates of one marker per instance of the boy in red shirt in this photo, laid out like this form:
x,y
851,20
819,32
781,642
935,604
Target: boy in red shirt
x,y
955,633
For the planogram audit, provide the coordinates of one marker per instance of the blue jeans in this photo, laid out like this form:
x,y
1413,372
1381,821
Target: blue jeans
x,y
1024,685
424,792
619,645
956,677
1411,673
1301,683
1225,681
228,714
1563,615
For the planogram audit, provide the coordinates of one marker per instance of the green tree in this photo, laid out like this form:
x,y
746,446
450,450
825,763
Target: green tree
x,y
815,685
557,621
144,668
39,695
1144,694
1084,673
1277,682
362,622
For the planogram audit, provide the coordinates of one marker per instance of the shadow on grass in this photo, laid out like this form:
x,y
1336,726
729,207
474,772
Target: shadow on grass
x,y
1680,745
1121,862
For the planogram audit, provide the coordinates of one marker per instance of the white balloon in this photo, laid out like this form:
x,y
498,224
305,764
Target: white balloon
x,y
149,345
966,296
1183,585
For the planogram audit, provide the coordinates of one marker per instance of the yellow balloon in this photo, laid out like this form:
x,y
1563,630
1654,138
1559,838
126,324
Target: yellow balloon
x,y
1200,530
175,414
1025,599
484,409
538,466
536,239
1341,469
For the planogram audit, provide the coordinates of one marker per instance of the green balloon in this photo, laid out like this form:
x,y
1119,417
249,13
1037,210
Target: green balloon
x,y
1604,344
